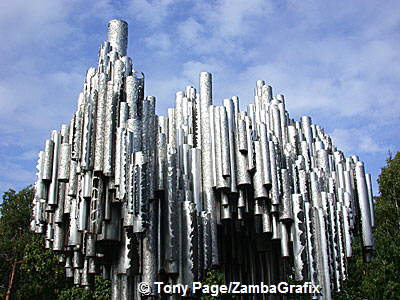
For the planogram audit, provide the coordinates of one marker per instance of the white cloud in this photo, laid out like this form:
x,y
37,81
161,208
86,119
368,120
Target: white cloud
x,y
103,9
164,91
151,13
14,172
32,105
235,17
33,23
357,140
158,42
224,27
192,69
29,155
190,30
333,66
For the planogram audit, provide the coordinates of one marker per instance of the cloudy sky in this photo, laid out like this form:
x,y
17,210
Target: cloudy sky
x,y
337,61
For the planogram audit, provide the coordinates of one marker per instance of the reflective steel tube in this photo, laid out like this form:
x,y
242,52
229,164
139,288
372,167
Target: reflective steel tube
x,y
141,197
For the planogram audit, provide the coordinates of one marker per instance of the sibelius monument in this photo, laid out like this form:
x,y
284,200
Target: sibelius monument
x,y
138,197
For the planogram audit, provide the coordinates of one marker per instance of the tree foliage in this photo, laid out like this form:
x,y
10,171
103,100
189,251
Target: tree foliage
x,y
27,269
380,279
41,276
215,277
15,216
101,291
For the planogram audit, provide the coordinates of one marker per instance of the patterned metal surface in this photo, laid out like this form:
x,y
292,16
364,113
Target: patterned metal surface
x,y
137,197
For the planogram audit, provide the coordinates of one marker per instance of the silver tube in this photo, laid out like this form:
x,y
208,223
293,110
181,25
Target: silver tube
x,y
306,155
118,153
109,127
284,240
118,36
172,227
313,273
370,198
250,145
242,198
209,200
87,132
149,267
286,210
87,185
77,277
315,190
242,136
90,245
260,191
349,190
40,186
189,243
135,94
59,211
243,176
52,197
346,229
213,130
123,114
323,261
266,222
299,238
323,161
292,137
65,158
73,179
267,180
97,205
171,127
225,143
83,211
230,110
267,94
219,180
161,161
77,141
122,189
197,124
75,237
196,177
334,247
340,175
276,122
48,160
275,198
306,128
282,113
58,243
276,230
341,245
363,202
134,128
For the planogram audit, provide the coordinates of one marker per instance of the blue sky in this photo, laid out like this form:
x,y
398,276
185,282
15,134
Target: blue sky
x,y
337,61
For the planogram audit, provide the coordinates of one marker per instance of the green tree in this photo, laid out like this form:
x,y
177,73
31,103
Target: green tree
x,y
380,279
41,276
27,269
15,216
101,291
102,288
215,277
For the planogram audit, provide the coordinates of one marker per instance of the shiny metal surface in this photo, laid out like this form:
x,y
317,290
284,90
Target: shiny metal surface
x,y
138,196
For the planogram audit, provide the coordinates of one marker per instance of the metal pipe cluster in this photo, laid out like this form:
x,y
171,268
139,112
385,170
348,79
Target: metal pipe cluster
x,y
137,197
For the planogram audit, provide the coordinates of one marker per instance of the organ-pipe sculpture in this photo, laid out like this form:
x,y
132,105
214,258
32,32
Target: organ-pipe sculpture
x,y
137,197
